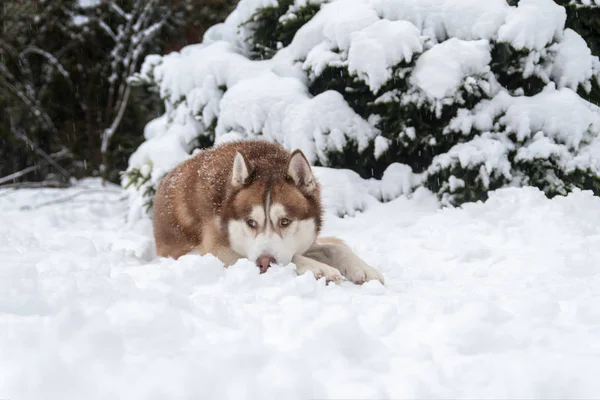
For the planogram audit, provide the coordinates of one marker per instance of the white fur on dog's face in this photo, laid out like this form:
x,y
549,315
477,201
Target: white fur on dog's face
x,y
269,238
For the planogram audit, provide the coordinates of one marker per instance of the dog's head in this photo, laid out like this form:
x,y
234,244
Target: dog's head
x,y
275,213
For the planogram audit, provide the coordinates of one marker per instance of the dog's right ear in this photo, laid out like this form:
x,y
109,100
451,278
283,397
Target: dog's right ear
x,y
300,172
240,170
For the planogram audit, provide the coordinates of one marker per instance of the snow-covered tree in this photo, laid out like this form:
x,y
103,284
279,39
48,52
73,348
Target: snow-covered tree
x,y
463,96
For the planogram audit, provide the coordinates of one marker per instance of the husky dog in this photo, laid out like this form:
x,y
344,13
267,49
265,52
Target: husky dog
x,y
254,200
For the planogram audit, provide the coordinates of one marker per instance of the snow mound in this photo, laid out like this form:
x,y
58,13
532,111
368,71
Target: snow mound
x,y
87,311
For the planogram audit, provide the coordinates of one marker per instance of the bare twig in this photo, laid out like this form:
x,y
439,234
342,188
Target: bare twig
x,y
21,93
21,135
36,185
108,133
70,197
19,174
57,156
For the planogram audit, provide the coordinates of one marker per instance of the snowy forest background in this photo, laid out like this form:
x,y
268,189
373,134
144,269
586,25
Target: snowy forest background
x,y
517,104
63,70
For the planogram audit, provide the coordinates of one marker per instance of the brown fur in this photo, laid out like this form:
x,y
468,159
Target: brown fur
x,y
196,199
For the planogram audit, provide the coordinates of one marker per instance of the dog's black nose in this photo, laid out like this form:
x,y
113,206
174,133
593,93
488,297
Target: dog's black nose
x,y
264,262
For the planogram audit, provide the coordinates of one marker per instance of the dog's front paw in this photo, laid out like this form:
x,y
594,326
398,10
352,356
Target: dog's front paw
x,y
360,274
331,274
319,269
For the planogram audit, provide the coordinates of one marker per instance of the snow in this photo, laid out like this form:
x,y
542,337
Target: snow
x,y
488,150
268,106
560,114
262,98
491,300
167,144
376,49
381,145
533,24
88,3
334,23
441,70
80,20
573,62
553,128
440,19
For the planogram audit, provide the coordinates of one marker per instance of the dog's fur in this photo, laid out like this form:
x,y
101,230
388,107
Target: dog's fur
x,y
255,200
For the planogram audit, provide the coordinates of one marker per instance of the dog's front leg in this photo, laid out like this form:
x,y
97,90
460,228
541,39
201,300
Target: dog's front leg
x,y
337,254
319,269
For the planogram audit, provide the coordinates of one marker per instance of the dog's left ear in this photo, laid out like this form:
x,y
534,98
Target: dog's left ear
x,y
240,172
300,172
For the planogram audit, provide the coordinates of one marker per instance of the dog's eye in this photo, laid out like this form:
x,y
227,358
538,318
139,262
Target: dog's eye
x,y
251,223
283,222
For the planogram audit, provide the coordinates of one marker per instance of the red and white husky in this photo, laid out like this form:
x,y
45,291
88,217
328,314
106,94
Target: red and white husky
x,y
254,200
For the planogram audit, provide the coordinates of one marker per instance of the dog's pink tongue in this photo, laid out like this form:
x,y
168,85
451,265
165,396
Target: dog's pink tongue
x,y
264,262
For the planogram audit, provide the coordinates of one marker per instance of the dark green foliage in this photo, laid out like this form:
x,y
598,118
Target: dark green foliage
x,y
269,35
475,188
207,138
69,108
395,120
507,66
417,133
585,20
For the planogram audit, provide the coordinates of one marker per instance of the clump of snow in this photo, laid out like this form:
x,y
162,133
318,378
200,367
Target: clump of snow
x,y
89,3
533,24
573,62
376,49
280,110
167,144
80,19
343,191
88,312
443,68
381,145
441,19
334,24
541,147
488,151
397,180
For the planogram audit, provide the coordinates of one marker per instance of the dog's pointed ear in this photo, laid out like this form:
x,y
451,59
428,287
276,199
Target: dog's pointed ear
x,y
300,172
240,172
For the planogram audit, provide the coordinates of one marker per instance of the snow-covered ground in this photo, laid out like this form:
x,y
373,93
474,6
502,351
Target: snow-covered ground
x,y
494,300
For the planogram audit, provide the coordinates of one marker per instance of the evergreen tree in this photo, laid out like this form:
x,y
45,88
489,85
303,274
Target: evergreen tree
x,y
468,107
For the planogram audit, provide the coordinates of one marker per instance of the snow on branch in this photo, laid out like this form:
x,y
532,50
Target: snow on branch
x,y
51,59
